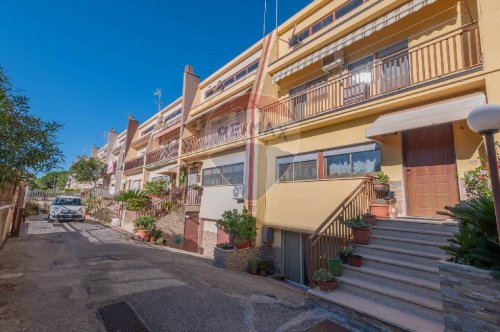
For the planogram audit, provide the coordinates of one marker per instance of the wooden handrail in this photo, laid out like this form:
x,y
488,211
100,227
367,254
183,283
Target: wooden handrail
x,y
327,240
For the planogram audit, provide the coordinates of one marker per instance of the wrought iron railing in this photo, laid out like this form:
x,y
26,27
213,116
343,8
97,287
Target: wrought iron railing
x,y
224,133
163,154
443,56
134,163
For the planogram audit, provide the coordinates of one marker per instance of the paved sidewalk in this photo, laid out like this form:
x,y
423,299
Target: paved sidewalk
x,y
56,276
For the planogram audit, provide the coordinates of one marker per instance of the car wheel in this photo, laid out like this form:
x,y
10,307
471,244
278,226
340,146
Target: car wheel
x,y
49,219
82,220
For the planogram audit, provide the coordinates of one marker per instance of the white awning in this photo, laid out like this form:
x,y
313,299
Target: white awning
x,y
361,33
424,116
297,158
352,149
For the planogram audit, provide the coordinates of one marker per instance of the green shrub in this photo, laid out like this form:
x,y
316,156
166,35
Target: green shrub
x,y
31,209
157,187
240,224
476,242
134,199
145,222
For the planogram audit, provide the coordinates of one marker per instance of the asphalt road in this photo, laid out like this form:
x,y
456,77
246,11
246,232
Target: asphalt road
x,y
56,276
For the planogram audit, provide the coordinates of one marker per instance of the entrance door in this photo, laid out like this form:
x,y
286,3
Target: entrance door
x,y
431,183
191,233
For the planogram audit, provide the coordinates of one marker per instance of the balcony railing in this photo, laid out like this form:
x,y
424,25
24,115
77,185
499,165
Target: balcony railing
x,y
221,134
169,123
134,163
191,196
163,154
444,56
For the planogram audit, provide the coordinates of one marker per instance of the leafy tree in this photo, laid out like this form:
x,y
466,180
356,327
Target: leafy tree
x,y
52,180
88,170
28,144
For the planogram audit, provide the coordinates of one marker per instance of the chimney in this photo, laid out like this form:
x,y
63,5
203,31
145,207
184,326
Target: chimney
x,y
94,150
189,89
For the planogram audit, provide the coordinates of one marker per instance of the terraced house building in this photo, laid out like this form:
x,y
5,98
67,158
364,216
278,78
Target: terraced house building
x,y
293,125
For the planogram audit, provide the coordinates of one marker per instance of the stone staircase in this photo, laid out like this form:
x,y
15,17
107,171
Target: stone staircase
x,y
397,287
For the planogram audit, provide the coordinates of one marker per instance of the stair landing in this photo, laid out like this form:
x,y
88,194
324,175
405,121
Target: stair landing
x,y
397,287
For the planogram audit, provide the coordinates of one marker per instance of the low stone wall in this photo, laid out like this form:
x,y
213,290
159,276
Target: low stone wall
x,y
172,226
237,259
471,298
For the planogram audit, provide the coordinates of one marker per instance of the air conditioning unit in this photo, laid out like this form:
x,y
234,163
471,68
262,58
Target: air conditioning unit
x,y
333,61
239,192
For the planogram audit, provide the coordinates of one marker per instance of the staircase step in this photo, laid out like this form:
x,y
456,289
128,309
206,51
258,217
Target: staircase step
x,y
438,225
406,268
409,302
363,309
412,233
411,256
406,243
396,281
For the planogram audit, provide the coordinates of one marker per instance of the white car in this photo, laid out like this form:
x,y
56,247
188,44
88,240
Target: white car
x,y
66,208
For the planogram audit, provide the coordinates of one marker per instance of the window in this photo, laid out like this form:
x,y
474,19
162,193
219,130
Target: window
x,y
172,116
147,130
298,167
358,84
341,11
347,8
354,160
300,101
232,79
223,175
394,67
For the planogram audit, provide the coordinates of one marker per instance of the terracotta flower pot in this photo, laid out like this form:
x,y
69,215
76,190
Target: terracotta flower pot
x,y
251,243
142,233
263,273
379,210
370,218
152,239
242,245
356,261
381,187
361,235
327,286
253,271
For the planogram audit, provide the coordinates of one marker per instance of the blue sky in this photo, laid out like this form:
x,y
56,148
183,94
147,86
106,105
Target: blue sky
x,y
89,64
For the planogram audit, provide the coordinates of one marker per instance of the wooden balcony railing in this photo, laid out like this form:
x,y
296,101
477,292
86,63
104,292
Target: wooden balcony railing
x,y
163,154
443,56
332,235
221,134
134,163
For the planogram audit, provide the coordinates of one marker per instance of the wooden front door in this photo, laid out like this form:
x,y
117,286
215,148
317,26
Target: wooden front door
x,y
191,233
429,160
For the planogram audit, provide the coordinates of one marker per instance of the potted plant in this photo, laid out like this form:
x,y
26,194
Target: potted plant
x,y
264,267
134,199
325,280
253,266
143,225
242,244
356,261
380,208
157,189
335,266
370,218
345,254
381,183
360,230
155,234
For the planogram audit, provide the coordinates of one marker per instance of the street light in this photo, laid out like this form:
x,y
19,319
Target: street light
x,y
485,120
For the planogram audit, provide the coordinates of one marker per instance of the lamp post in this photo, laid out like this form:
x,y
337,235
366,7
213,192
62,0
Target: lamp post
x,y
485,120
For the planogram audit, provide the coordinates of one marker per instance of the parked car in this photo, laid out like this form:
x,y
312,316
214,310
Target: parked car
x,y
66,208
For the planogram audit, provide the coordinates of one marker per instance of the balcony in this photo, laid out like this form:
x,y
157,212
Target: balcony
x,y
164,154
221,134
169,124
443,57
134,163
